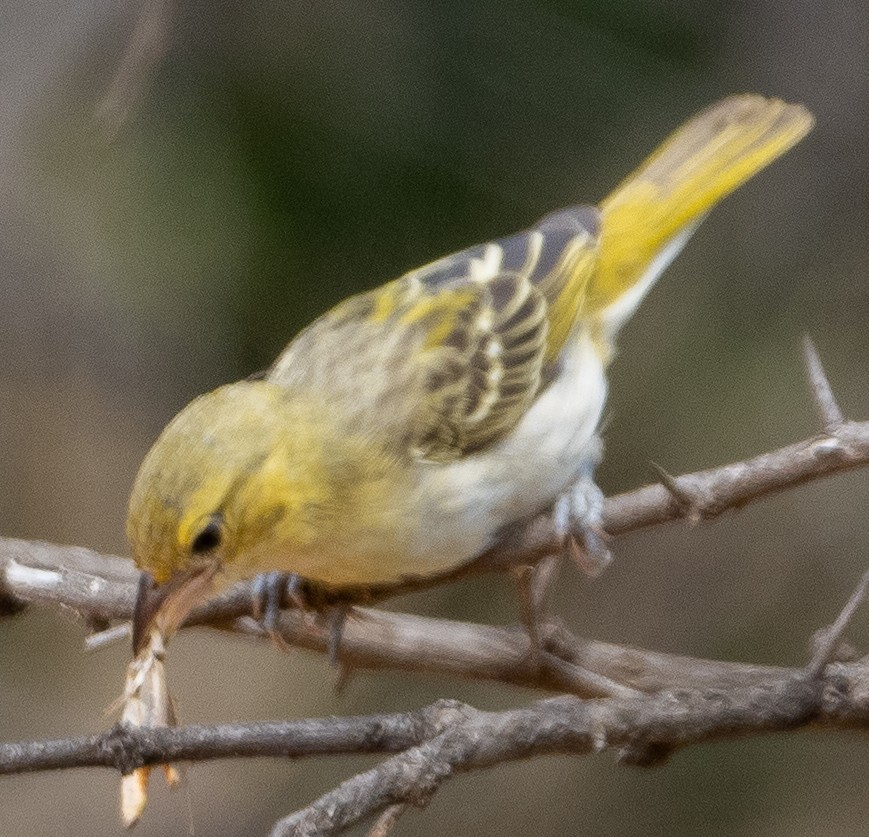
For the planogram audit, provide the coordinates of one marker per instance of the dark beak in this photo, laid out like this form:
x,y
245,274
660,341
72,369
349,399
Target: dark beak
x,y
165,606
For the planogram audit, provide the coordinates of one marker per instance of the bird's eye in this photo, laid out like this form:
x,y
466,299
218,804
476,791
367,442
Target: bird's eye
x,y
208,538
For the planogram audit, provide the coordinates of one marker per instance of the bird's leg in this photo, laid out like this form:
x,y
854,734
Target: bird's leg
x,y
578,516
523,577
267,592
336,622
532,583
337,619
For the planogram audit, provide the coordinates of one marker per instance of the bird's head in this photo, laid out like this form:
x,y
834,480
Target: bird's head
x,y
236,473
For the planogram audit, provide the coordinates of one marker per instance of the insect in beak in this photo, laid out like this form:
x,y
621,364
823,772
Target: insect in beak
x,y
165,606
146,703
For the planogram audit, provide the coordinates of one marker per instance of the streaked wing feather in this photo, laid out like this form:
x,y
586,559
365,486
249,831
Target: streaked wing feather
x,y
449,357
481,377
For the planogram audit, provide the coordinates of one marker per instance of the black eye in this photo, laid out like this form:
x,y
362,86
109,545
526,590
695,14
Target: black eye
x,y
208,538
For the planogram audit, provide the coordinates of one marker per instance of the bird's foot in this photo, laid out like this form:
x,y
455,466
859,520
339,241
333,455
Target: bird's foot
x,y
578,519
267,592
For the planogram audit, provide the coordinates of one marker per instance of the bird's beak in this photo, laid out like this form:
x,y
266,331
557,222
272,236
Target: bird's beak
x,y
165,606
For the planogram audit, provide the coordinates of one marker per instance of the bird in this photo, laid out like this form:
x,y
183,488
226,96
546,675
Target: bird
x,y
404,431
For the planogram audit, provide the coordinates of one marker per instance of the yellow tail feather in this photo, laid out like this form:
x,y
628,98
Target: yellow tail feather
x,y
652,213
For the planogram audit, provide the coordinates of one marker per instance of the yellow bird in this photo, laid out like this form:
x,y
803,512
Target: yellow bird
x,y
403,430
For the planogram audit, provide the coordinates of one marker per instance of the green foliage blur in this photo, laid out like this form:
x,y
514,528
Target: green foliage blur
x,y
269,159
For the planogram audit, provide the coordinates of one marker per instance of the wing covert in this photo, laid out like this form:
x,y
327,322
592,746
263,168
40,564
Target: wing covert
x,y
448,358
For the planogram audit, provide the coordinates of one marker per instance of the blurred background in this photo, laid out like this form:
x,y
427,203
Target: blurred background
x,y
186,184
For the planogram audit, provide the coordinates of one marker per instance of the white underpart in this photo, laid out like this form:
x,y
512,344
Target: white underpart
x,y
466,503
617,314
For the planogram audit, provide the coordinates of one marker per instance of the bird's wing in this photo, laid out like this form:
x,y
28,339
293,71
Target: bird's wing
x,y
447,359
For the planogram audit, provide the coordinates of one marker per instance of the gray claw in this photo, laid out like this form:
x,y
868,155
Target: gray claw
x,y
268,597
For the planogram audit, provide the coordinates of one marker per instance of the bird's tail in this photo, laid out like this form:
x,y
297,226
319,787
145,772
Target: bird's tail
x,y
648,218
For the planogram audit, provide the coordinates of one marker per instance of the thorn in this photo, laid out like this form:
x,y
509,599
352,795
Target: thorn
x,y
335,622
829,639
822,393
680,494
386,821
585,681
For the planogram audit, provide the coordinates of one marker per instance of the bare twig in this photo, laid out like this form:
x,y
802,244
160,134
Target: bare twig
x,y
735,485
789,698
825,402
377,639
635,728
128,748
829,694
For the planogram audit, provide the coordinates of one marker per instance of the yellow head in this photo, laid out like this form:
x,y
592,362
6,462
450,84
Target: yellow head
x,y
239,470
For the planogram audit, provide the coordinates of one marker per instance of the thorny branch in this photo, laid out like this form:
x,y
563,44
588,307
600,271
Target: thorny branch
x,y
647,704
710,701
